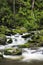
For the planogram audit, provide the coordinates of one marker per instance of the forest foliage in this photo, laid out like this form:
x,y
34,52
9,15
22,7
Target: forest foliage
x,y
15,14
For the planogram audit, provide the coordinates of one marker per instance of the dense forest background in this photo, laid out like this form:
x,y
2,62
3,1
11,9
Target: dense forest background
x,y
26,14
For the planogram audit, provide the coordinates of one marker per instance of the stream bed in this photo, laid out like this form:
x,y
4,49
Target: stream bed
x,y
12,62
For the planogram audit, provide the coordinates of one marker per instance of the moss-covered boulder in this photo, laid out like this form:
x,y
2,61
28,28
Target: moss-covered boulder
x,y
2,39
5,30
13,51
8,32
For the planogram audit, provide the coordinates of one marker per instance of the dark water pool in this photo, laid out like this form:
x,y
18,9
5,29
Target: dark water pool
x,y
12,62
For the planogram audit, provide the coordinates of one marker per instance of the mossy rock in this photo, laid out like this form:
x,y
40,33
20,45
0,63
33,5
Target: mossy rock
x,y
26,36
2,39
41,32
5,30
13,51
8,32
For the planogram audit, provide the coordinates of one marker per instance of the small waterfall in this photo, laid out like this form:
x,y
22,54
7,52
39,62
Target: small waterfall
x,y
17,40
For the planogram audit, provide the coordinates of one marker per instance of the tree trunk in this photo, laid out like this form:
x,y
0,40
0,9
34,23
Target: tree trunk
x,y
33,1
14,7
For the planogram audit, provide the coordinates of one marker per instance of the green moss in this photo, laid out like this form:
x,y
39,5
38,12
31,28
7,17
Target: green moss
x,y
24,45
37,39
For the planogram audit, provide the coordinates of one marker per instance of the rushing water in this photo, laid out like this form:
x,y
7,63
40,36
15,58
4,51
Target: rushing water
x,y
30,56
17,40
33,54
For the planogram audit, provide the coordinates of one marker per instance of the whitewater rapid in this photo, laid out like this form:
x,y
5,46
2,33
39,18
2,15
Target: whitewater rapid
x,y
17,40
33,54
27,53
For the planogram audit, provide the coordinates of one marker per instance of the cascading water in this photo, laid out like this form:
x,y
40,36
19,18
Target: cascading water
x,y
16,40
27,53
